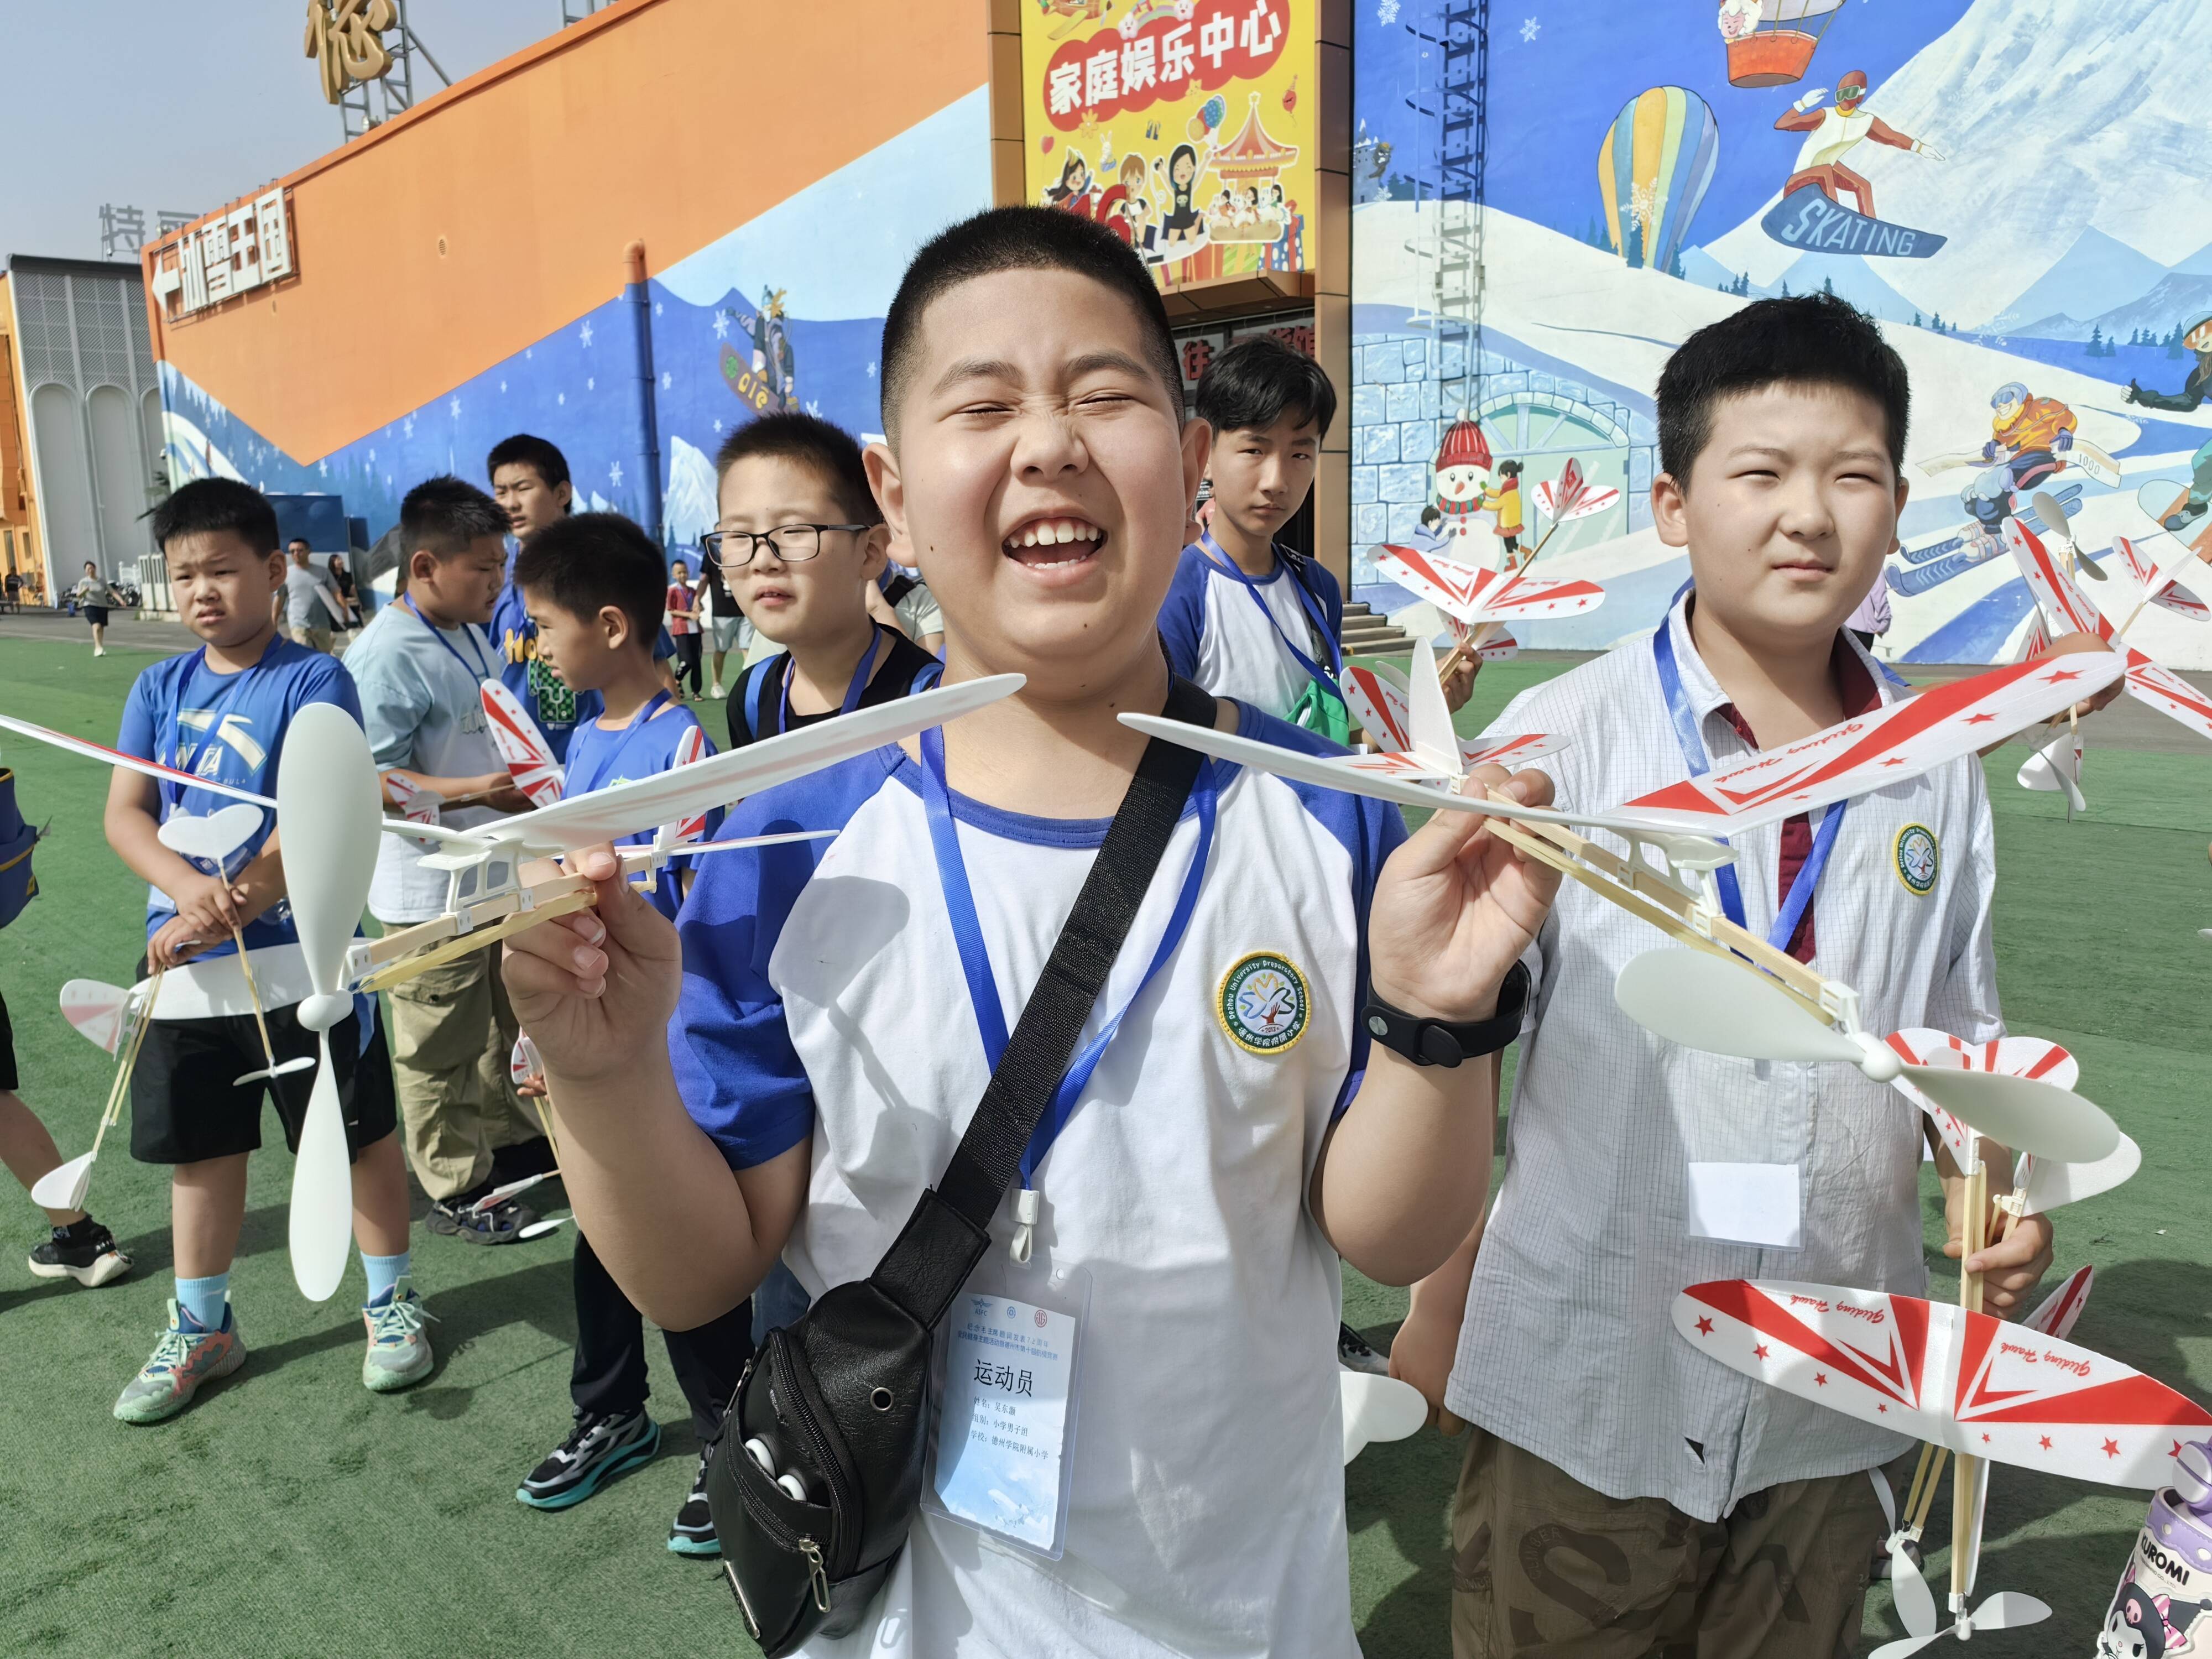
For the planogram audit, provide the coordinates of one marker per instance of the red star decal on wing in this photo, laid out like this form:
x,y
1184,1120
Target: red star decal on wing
x,y
2176,1452
1979,719
1895,760
2047,1443
1985,1440
1821,1380
2111,1449
2058,676
1884,1410
1759,1351
1704,1328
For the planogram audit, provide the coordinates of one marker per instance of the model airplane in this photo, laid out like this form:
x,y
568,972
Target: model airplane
x,y
1484,598
1955,1376
1731,992
1409,720
2159,588
329,807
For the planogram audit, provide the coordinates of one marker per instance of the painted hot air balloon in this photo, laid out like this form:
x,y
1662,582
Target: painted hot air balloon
x,y
1776,46
1652,170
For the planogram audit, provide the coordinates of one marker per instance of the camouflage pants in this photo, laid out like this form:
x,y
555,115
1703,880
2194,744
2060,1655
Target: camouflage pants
x,y
1544,1565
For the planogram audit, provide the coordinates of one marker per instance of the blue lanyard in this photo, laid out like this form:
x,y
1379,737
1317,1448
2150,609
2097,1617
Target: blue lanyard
x,y
976,957
862,673
621,747
172,793
1324,677
1800,896
482,673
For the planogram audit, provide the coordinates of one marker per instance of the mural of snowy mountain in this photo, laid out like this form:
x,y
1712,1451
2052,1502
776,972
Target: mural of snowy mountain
x,y
2053,122
2096,275
2176,299
688,506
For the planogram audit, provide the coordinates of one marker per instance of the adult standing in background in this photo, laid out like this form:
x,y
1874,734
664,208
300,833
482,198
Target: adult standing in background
x,y
722,624
342,582
311,603
95,593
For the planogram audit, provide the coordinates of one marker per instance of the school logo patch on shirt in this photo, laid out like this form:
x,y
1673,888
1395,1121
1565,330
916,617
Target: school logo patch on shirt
x,y
1918,859
1263,1003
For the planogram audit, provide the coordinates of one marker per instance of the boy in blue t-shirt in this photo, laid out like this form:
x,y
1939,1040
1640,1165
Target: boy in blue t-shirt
x,y
786,1071
593,584
1244,618
530,481
221,713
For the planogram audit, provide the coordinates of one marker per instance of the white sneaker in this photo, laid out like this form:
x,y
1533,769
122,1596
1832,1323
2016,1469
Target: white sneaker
x,y
718,693
99,650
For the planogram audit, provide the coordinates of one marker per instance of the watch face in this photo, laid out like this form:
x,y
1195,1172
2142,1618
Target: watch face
x,y
1262,1003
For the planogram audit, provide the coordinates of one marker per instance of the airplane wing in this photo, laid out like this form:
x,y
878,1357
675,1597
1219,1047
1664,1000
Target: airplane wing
x,y
1510,752
2169,694
690,748
623,809
529,757
1328,772
2058,1311
1522,599
2159,587
1966,1380
1376,698
107,756
1897,741
1458,590
1396,765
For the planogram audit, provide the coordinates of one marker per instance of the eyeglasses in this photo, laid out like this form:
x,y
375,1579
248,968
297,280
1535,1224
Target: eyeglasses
x,y
793,544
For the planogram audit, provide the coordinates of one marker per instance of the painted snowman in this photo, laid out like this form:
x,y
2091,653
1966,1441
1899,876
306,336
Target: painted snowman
x,y
1463,468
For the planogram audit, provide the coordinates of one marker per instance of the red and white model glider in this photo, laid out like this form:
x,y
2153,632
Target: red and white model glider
x,y
1484,598
529,757
1409,721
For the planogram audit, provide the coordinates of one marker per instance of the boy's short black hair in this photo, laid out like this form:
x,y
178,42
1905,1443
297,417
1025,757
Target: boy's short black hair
x,y
1020,239
525,449
217,504
442,515
592,560
1260,379
823,447
1812,339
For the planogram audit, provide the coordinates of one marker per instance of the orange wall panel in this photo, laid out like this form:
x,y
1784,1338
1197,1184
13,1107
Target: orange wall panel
x,y
498,211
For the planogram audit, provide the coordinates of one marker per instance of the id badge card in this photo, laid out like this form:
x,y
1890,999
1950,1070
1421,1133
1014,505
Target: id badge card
x,y
1004,1456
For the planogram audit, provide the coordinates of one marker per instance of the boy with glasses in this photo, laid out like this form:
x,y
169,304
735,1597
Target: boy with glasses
x,y
800,543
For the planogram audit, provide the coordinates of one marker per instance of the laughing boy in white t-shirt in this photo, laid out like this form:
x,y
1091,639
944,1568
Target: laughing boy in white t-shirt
x,y
817,1024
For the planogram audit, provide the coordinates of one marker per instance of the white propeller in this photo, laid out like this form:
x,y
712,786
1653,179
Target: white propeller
x,y
2006,1610
2056,769
1378,1408
1709,1002
1916,1603
2054,523
329,810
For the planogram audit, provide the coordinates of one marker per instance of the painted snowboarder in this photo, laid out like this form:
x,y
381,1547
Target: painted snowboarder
x,y
2029,437
2194,391
772,358
1463,477
1832,134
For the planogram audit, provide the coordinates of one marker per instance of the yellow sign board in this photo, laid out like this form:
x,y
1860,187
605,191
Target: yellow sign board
x,y
1185,126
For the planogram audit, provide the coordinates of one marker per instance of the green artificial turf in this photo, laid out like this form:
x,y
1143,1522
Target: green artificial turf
x,y
292,1512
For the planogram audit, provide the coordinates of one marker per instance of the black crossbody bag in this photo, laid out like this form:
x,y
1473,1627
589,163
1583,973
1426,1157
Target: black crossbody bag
x,y
839,1401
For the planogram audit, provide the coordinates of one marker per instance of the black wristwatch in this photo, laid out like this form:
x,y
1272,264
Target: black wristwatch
x,y
1445,1042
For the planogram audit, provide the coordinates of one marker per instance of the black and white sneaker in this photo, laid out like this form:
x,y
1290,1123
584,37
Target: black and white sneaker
x,y
85,1252
694,1531
597,1449
1354,1355
459,1218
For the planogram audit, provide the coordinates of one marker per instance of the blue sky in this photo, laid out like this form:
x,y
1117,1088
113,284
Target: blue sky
x,y
1557,87
160,105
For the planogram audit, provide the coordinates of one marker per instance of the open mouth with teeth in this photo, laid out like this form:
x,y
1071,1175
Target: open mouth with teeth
x,y
1046,544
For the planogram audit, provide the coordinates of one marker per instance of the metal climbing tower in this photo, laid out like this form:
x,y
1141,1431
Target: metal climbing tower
x,y
1449,244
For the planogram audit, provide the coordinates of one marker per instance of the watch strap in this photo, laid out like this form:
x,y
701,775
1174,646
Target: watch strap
x,y
1447,1042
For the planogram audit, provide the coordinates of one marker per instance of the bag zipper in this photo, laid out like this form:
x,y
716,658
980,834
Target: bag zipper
x,y
790,1538
844,1484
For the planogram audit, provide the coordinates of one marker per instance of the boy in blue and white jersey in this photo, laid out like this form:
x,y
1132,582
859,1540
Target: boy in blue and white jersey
x,y
788,1072
421,665
221,713
594,583
1244,617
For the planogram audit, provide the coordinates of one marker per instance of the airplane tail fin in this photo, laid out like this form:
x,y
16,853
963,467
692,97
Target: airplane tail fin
x,y
1434,740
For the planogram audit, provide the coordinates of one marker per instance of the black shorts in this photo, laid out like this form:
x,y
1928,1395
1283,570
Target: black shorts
x,y
7,1080
96,615
185,1105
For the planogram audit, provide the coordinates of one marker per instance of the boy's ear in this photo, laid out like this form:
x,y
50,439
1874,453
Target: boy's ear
x,y
875,550
614,626
883,478
1197,453
1670,510
566,492
421,565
